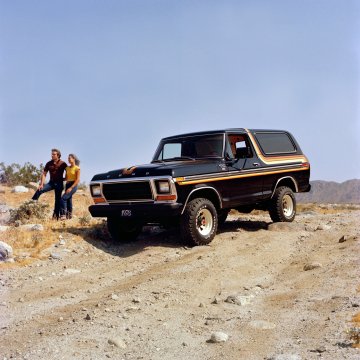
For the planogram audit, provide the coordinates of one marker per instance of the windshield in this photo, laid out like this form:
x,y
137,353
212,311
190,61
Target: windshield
x,y
190,147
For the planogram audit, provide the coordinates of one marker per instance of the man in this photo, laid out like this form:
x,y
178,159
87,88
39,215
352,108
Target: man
x,y
56,168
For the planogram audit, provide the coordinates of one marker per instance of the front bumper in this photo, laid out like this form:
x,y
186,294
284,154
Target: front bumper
x,y
151,212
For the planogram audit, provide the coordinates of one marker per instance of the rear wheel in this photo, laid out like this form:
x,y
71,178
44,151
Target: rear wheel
x,y
283,205
199,222
123,231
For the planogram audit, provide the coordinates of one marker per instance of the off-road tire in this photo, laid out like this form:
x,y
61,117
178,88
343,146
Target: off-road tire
x,y
283,205
199,222
123,231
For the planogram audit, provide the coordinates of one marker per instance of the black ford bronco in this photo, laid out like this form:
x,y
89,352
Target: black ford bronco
x,y
195,179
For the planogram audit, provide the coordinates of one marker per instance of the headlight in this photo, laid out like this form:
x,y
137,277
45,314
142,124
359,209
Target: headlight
x,y
163,186
95,190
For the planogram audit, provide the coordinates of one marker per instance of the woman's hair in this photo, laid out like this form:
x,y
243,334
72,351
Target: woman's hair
x,y
77,161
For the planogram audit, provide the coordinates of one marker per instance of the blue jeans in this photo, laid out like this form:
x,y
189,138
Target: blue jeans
x,y
66,200
58,187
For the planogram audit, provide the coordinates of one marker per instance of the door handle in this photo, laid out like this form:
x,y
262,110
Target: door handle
x,y
256,164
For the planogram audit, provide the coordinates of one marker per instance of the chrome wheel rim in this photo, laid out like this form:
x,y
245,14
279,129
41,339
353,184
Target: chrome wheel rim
x,y
288,206
204,222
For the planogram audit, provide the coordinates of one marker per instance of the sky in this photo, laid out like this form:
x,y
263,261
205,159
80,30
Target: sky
x,y
108,79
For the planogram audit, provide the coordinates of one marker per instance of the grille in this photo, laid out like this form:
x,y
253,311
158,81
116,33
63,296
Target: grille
x,y
127,191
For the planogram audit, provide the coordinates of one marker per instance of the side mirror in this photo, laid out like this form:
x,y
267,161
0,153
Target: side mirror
x,y
243,152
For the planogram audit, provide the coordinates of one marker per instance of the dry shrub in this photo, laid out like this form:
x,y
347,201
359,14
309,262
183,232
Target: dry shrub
x,y
29,210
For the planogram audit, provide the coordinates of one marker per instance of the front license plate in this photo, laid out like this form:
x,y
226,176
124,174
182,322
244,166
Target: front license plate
x,y
125,212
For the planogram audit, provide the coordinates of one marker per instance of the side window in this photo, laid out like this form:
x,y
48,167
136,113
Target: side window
x,y
240,146
275,142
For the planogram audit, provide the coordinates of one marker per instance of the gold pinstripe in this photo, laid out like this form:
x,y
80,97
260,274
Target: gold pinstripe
x,y
182,181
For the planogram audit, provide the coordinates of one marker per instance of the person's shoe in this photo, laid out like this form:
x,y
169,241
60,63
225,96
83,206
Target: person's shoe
x,y
55,217
69,215
63,217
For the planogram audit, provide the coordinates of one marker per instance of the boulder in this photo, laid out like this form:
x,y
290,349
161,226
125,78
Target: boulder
x,y
6,251
20,189
4,214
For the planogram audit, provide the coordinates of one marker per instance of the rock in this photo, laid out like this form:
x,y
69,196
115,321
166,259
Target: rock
x,y
262,325
343,238
32,227
114,297
215,301
20,189
312,266
4,228
55,256
6,251
287,357
71,271
87,317
218,337
323,227
62,242
117,342
240,300
4,214
136,300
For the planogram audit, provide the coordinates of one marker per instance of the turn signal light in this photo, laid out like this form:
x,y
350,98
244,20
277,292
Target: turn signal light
x,y
99,200
165,197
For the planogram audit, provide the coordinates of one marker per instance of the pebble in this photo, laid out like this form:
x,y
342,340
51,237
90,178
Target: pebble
x,y
343,238
287,357
114,297
55,256
218,337
312,266
72,271
117,342
240,300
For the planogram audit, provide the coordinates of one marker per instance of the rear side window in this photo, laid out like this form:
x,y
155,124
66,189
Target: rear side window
x,y
275,143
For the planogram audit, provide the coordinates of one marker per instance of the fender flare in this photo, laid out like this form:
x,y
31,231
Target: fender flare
x,y
202,188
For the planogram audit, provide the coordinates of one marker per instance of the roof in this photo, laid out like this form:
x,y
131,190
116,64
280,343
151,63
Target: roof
x,y
221,131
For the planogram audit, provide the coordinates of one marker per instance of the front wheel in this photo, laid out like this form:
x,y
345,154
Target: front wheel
x,y
123,231
283,205
199,222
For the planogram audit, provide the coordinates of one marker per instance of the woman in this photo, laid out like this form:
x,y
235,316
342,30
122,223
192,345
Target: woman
x,y
72,180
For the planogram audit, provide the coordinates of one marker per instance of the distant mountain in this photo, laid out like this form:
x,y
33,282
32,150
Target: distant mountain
x,y
332,192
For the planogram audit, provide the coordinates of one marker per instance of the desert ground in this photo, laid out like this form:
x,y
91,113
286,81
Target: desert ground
x,y
258,291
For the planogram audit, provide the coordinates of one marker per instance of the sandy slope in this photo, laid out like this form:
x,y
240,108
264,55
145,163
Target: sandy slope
x,y
157,299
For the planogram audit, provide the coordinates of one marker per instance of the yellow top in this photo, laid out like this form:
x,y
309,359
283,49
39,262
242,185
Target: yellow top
x,y
71,172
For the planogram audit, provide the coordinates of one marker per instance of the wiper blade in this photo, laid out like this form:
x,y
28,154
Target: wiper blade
x,y
175,158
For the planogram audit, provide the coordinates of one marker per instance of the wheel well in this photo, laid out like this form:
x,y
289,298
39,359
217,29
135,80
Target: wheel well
x,y
286,181
207,193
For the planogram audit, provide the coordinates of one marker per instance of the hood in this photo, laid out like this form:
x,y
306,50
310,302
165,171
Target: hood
x,y
173,169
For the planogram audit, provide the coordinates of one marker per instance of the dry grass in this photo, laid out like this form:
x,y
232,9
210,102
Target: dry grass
x,y
31,245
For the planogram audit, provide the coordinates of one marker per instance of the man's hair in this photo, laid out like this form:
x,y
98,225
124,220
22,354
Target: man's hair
x,y
57,151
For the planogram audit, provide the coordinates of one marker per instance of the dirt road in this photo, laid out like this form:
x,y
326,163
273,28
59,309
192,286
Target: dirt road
x,y
274,292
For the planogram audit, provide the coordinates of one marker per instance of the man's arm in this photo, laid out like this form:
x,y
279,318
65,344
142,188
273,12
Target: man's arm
x,y
42,180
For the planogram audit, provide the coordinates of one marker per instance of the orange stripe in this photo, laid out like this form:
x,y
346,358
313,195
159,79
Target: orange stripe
x,y
180,181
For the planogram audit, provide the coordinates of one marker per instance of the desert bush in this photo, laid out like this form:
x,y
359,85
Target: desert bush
x,y
16,174
85,220
29,210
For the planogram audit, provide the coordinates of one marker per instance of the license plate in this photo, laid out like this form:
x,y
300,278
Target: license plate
x,y
125,212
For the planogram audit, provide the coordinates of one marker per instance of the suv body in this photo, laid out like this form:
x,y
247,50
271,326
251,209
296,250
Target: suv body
x,y
195,179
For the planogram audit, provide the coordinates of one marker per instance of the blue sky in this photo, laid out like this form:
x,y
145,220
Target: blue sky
x,y
107,79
